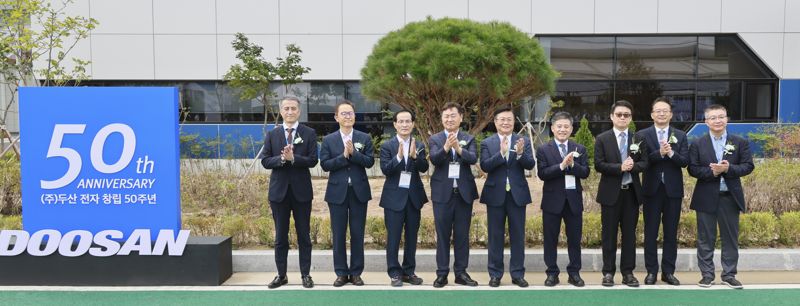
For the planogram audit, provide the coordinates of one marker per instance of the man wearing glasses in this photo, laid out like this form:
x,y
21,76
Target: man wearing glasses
x,y
346,154
662,184
718,161
619,158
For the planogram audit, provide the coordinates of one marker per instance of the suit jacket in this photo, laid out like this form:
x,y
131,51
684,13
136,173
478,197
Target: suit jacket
x,y
554,192
498,169
332,159
706,192
670,166
441,185
394,197
607,161
290,173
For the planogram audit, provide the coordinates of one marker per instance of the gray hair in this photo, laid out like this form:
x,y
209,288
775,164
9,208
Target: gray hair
x,y
561,115
289,98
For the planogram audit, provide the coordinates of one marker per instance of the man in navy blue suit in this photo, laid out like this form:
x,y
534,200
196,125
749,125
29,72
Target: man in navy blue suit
x,y
662,184
346,154
453,190
718,160
402,160
505,157
562,164
290,149
619,158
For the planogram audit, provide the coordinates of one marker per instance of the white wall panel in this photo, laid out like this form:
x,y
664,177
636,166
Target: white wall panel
x,y
184,17
689,16
185,57
792,14
769,47
516,12
791,56
123,17
122,57
226,56
311,16
417,10
372,17
322,53
248,16
549,16
626,16
752,15
82,51
356,50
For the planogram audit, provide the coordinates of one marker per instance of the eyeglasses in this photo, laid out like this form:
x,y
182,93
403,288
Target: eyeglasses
x,y
346,114
622,115
504,119
450,116
661,111
714,118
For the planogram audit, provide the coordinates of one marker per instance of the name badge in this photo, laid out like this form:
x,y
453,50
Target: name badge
x,y
405,179
454,170
569,181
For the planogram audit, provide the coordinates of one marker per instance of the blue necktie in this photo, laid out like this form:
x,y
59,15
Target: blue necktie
x,y
660,140
623,153
563,150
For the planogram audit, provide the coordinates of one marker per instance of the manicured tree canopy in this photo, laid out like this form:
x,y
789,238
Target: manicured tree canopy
x,y
480,65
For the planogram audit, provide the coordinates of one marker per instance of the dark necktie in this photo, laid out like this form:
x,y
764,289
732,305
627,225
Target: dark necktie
x,y
289,138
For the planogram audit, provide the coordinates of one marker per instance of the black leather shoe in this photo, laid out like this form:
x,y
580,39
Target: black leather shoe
x,y
576,281
464,279
440,281
341,280
412,279
356,280
396,282
630,280
650,279
521,282
494,282
670,279
278,281
551,281
732,282
706,282
608,280
307,281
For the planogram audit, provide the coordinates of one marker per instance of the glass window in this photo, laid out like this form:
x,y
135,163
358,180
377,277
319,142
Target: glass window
x,y
580,57
642,94
362,104
645,58
590,99
758,101
323,96
725,57
725,93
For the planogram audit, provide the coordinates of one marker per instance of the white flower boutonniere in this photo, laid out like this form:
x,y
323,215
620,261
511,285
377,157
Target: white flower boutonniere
x,y
575,154
462,143
634,148
729,148
298,140
672,139
358,146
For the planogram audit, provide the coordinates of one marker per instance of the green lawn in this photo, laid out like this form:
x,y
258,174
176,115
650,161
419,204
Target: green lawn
x,y
428,297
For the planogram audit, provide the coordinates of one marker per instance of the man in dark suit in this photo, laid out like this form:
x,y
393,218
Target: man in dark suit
x,y
289,151
662,184
718,161
562,164
619,158
453,190
346,154
505,157
402,160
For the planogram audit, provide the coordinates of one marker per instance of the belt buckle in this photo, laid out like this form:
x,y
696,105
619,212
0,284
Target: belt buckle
x,y
625,187
455,190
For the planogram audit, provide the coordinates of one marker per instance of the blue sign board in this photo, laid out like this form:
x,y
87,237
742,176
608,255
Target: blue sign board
x,y
100,158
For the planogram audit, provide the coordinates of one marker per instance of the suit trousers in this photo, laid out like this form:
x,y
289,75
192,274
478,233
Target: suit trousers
x,y
661,210
727,216
396,222
623,215
301,212
496,227
551,227
452,219
354,213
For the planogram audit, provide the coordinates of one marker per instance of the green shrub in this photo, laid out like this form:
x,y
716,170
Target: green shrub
x,y
427,233
11,222
202,225
789,228
376,229
534,235
687,229
584,136
477,231
10,192
321,236
235,226
758,229
266,231
592,235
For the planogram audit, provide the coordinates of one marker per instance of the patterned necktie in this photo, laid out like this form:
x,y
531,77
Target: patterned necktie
x,y
661,136
289,138
563,150
623,153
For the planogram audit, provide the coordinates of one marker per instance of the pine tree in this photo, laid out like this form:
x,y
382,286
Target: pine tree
x,y
584,136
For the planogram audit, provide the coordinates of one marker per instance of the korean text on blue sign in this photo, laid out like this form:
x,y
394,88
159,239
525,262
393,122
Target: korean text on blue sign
x,y
99,158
